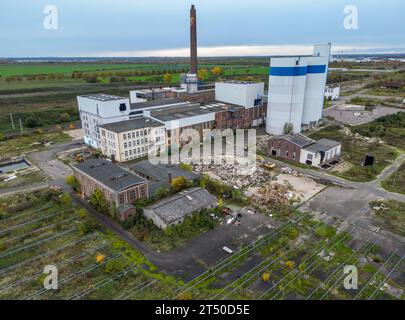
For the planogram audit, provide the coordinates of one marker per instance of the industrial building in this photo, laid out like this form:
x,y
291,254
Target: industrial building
x,y
299,148
161,175
98,109
296,91
151,94
132,139
173,210
119,186
332,93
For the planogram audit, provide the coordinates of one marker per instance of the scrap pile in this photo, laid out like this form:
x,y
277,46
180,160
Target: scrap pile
x,y
236,175
272,197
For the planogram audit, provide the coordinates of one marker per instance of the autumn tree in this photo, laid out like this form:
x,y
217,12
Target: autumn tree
x,y
167,78
217,71
179,183
203,74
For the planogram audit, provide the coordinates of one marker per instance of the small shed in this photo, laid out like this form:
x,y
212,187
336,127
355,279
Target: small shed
x,y
126,211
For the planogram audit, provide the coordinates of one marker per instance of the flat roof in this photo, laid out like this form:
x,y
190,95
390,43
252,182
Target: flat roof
x,y
178,206
102,97
153,90
133,124
240,82
186,111
156,103
108,174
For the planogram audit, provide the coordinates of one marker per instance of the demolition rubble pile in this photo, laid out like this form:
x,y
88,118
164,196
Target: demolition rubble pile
x,y
236,175
272,197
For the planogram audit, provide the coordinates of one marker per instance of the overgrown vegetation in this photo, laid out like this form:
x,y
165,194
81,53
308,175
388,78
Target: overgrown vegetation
x,y
391,214
396,182
354,152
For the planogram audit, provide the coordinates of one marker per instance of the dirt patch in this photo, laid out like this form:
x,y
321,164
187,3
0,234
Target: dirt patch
x,y
303,188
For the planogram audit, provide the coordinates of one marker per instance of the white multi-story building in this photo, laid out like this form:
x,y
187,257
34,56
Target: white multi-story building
x,y
132,139
332,93
296,90
242,93
98,109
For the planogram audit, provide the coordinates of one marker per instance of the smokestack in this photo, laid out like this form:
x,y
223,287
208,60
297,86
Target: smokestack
x,y
193,40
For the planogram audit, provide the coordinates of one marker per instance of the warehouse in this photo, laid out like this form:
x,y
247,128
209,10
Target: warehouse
x,y
119,186
299,148
321,152
173,210
161,175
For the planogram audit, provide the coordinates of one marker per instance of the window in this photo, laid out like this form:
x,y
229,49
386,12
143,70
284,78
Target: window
x,y
121,198
126,153
125,145
133,135
129,144
309,156
132,195
125,136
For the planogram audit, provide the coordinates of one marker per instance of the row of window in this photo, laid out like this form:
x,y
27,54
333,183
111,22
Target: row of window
x,y
136,134
138,151
136,143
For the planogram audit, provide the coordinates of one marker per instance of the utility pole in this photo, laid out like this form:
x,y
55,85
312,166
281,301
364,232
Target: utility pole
x,y
21,127
395,177
12,121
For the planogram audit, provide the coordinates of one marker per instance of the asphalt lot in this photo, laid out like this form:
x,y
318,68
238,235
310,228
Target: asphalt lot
x,y
352,207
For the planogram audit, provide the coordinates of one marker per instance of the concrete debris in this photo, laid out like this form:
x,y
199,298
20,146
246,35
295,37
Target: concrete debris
x,y
234,174
272,196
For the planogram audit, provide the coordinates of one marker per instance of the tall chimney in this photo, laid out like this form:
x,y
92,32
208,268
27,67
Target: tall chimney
x,y
193,40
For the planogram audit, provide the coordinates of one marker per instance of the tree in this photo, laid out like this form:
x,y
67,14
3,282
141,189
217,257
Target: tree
x,y
179,183
217,71
167,78
288,128
64,117
32,122
98,201
66,200
266,277
1,137
203,74
70,180
290,264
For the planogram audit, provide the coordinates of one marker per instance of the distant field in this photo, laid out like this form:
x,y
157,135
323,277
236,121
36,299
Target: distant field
x,y
46,68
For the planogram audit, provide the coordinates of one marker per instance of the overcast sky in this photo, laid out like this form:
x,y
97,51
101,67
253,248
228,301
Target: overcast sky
x,y
225,27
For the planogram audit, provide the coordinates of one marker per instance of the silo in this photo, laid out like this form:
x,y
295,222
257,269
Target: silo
x,y
315,85
286,95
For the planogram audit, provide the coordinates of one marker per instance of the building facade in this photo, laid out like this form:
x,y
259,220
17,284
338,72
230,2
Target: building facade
x,y
301,149
99,109
132,139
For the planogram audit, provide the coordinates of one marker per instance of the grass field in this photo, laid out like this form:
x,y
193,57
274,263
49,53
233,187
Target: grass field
x,y
43,228
354,152
396,182
31,142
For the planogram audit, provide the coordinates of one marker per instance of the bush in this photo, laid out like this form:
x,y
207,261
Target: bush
x,y
179,183
65,200
98,201
32,122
